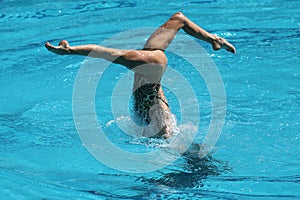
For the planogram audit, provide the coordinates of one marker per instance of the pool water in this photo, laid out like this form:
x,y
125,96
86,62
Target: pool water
x,y
257,154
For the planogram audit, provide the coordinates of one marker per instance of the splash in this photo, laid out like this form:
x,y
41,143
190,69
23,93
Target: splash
x,y
178,142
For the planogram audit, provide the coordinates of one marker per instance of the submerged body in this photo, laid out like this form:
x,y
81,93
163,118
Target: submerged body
x,y
151,107
149,65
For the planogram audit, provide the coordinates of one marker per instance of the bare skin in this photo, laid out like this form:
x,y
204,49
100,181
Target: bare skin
x,y
148,64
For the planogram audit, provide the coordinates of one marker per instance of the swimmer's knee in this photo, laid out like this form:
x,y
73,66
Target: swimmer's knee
x,y
178,16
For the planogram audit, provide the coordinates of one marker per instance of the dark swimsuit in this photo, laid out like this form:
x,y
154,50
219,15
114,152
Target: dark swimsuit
x,y
153,49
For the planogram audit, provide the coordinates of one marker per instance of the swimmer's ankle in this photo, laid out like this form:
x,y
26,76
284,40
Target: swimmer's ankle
x,y
220,43
216,43
65,46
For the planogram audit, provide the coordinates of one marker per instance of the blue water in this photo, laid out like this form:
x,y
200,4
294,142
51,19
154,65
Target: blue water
x,y
257,154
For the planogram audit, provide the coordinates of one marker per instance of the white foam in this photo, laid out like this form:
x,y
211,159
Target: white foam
x,y
181,135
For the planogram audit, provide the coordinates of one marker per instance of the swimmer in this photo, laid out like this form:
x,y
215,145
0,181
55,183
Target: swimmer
x,y
148,65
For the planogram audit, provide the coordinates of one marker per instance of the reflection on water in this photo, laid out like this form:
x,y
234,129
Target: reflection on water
x,y
194,171
189,172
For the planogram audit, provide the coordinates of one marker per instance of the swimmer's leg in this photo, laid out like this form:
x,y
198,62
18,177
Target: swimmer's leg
x,y
128,58
164,35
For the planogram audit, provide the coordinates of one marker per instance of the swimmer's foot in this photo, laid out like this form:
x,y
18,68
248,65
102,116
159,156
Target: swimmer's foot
x,y
220,43
63,48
